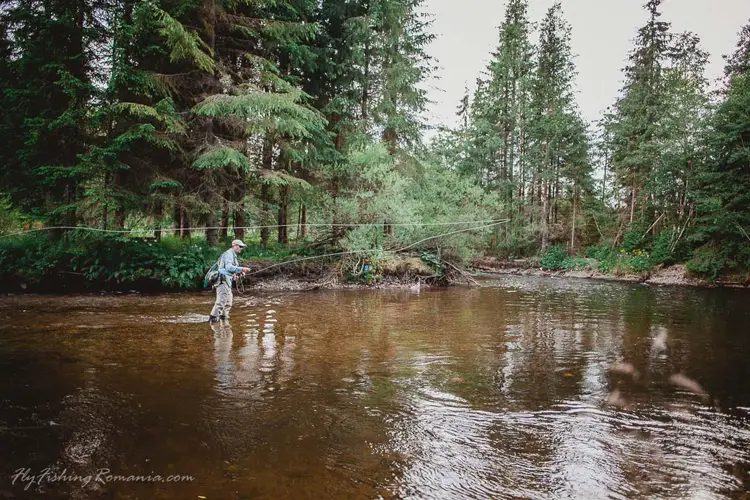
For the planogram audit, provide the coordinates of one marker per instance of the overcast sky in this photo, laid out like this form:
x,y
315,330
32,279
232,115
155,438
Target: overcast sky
x,y
467,31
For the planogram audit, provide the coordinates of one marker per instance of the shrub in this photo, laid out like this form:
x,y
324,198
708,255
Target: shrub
x,y
660,253
710,262
602,251
104,261
574,264
553,258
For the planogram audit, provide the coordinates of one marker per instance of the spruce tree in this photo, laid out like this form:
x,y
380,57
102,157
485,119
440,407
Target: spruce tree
x,y
634,122
499,128
557,135
723,231
46,100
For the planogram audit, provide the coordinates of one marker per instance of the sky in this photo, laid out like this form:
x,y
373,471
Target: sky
x,y
602,34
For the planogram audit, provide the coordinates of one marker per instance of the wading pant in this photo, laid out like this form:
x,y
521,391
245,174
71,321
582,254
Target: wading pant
x,y
223,299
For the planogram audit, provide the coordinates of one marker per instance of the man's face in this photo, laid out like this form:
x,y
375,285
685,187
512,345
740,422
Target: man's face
x,y
237,248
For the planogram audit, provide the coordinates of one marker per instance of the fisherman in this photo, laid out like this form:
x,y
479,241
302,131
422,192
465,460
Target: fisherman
x,y
228,266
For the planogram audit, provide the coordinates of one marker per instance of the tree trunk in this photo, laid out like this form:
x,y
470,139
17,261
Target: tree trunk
x,y
239,220
184,224
366,82
556,194
632,203
335,227
177,217
573,230
225,212
265,231
156,215
544,191
212,233
604,177
105,208
283,219
303,222
265,191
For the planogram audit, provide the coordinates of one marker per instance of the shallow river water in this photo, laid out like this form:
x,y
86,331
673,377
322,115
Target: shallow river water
x,y
524,388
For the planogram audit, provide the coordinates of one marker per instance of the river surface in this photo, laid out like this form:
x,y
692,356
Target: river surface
x,y
519,389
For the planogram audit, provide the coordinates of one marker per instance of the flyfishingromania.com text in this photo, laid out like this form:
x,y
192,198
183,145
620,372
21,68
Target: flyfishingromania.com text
x,y
28,478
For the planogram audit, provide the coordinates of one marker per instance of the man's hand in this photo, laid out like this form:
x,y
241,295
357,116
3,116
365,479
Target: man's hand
x,y
245,270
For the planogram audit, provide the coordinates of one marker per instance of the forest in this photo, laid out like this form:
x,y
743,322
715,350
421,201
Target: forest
x,y
171,126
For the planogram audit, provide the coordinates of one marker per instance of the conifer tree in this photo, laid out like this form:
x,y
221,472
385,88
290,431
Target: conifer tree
x,y
46,99
723,231
557,135
638,111
499,132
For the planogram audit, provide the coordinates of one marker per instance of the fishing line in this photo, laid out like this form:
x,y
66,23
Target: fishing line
x,y
248,228
351,252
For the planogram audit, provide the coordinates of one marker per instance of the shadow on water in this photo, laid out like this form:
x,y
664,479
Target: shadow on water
x,y
526,388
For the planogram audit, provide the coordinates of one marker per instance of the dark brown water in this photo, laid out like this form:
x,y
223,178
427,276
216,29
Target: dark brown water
x,y
499,392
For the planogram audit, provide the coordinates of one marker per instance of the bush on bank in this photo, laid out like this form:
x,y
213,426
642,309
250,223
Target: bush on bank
x,y
90,261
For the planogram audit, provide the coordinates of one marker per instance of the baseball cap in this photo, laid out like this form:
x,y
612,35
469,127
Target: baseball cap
x,y
238,243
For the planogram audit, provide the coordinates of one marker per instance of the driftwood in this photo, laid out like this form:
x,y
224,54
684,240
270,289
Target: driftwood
x,y
469,279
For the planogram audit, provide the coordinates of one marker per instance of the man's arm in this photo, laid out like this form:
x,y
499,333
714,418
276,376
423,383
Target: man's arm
x,y
230,268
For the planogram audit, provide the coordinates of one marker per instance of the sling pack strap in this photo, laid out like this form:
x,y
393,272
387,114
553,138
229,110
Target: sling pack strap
x,y
213,276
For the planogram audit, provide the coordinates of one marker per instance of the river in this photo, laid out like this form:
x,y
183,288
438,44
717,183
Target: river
x,y
524,388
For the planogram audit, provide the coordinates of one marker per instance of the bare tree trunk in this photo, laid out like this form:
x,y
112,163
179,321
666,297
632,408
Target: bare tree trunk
x,y
117,181
544,191
225,212
265,192
177,216
335,227
299,222
632,203
264,230
157,212
239,220
303,222
212,234
105,208
184,224
283,219
573,230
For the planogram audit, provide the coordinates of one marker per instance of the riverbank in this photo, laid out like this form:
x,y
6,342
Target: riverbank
x,y
111,264
675,275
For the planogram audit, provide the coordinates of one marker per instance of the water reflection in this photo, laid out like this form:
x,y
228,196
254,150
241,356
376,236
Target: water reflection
x,y
523,389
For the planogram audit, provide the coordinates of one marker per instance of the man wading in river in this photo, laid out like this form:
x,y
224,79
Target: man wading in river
x,y
228,266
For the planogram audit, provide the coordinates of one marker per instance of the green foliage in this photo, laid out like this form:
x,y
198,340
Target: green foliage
x,y
556,258
661,250
601,251
553,259
184,44
434,262
633,238
712,261
638,261
10,218
146,114
222,157
104,262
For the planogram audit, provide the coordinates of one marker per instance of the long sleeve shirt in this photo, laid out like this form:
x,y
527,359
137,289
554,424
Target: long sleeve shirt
x,y
228,264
